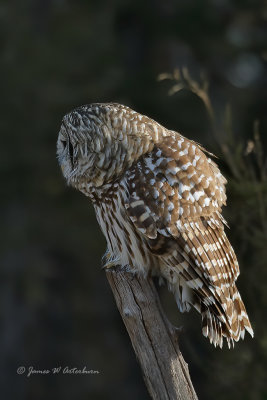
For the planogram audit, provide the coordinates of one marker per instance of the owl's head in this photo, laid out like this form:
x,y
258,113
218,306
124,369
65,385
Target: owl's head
x,y
98,142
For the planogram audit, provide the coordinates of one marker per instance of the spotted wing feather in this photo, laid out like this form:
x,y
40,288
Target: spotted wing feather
x,y
176,195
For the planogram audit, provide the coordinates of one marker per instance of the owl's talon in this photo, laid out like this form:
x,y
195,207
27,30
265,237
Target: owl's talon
x,y
109,261
126,268
112,268
117,268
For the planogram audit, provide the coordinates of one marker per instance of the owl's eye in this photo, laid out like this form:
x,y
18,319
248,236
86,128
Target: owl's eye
x,y
71,150
64,143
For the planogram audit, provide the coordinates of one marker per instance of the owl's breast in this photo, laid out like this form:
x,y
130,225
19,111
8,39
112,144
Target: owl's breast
x,y
125,243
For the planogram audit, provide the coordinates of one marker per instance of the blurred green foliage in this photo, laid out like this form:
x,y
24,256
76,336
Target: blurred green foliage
x,y
56,307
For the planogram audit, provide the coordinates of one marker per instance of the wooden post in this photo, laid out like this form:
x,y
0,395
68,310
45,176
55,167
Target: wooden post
x,y
154,339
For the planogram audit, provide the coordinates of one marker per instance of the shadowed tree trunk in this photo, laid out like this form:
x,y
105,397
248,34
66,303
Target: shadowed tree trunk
x,y
154,339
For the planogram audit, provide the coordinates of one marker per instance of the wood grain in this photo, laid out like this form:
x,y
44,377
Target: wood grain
x,y
154,339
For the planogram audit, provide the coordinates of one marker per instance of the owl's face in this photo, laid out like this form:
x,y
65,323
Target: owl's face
x,y
80,147
90,148
98,142
76,155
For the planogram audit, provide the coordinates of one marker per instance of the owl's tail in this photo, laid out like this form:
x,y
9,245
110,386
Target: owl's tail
x,y
231,325
229,320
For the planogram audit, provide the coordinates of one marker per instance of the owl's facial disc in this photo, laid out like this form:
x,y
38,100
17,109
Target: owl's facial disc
x,y
65,153
76,157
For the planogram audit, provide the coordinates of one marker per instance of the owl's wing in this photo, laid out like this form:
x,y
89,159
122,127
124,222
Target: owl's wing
x,y
175,198
177,189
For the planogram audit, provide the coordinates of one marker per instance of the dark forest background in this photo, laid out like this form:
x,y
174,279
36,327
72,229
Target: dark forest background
x,y
56,307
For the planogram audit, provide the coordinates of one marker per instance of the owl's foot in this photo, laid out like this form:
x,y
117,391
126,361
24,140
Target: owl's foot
x,y
117,268
112,263
109,261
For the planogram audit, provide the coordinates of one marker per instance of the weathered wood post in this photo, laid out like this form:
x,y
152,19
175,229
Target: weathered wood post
x,y
154,339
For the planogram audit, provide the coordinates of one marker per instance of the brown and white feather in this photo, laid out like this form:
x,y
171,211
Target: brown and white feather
x,y
158,200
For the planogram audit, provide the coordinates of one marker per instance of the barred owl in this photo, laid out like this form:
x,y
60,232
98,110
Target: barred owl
x,y
157,198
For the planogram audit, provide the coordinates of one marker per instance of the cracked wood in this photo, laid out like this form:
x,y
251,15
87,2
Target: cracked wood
x,y
154,339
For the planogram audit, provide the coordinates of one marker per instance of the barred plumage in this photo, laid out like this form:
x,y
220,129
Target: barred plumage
x,y
158,200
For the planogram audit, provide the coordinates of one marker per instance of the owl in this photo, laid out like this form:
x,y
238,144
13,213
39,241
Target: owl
x,y
157,198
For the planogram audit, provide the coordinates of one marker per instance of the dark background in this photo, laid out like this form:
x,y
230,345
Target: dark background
x,y
56,307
